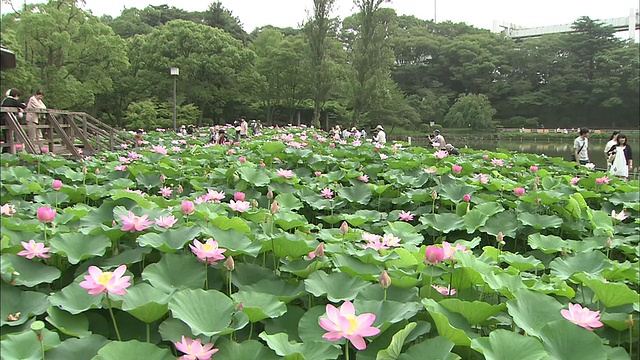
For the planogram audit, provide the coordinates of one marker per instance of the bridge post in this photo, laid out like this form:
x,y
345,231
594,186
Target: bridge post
x,y
111,139
84,124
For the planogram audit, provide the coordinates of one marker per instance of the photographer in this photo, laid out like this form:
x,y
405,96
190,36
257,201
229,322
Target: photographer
x,y
379,135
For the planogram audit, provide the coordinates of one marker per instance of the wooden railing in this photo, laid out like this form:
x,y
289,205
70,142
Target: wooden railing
x,y
59,131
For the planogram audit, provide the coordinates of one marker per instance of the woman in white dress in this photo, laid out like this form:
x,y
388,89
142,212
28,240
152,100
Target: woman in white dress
x,y
623,160
35,103
609,148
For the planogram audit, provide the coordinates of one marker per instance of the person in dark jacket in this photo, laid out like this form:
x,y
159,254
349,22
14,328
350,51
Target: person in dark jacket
x,y
11,101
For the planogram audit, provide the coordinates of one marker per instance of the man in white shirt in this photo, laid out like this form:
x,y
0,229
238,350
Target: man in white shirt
x,y
381,137
581,147
438,140
244,128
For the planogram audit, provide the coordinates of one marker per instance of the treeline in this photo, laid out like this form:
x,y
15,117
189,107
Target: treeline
x,y
371,67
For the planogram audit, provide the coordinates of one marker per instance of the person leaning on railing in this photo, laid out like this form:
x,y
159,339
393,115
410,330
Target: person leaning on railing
x,y
35,103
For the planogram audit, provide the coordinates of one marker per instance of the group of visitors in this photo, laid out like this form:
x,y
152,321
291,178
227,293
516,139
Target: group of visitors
x,y
12,100
617,152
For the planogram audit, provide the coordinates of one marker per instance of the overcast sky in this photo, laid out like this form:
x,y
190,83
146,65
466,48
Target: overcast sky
x,y
480,13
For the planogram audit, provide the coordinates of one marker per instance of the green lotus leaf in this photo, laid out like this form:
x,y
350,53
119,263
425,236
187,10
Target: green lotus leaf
x,y
288,220
235,223
450,325
163,275
476,312
359,193
288,202
609,294
283,290
438,348
118,194
531,311
14,300
474,219
149,180
336,286
31,272
405,231
618,321
444,223
72,325
355,267
303,268
132,350
455,191
548,244
602,222
592,263
507,345
387,311
259,306
489,208
173,329
22,346
128,256
254,176
287,323
273,147
309,328
145,303
75,299
246,350
171,240
308,350
565,340
52,198
505,222
539,222
77,246
520,262
78,349
196,309
397,342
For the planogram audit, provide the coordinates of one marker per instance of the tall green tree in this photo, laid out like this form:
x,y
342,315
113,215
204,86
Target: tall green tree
x,y
222,18
471,110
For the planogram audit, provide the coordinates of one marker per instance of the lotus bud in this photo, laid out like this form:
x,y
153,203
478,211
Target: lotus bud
x,y
180,189
84,170
270,194
97,171
500,237
162,178
385,280
466,198
255,203
344,228
630,321
319,250
229,264
239,196
114,223
434,194
239,307
274,207
609,242
564,252
56,185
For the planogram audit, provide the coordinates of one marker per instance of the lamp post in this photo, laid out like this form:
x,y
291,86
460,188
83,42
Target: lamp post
x,y
175,72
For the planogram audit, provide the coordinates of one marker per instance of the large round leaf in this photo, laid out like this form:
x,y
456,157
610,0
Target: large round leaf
x,y
591,263
450,325
72,325
531,311
259,306
78,247
246,350
75,299
30,272
564,340
507,345
78,349
145,303
27,303
164,275
132,350
438,348
206,312
336,286
171,240
309,350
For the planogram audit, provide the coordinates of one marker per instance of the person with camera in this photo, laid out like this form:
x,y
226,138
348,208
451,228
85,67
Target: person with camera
x,y
380,136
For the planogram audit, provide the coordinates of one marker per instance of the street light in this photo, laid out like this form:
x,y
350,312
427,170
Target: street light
x,y
175,72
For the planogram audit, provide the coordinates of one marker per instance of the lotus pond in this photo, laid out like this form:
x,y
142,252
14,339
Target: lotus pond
x,y
295,245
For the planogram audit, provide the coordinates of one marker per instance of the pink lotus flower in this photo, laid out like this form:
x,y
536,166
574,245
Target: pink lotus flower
x,y
533,168
431,170
343,323
444,290
434,255
44,149
262,164
384,156
466,198
497,162
98,282
135,223
483,178
56,185
215,196
8,209
239,206
46,214
485,156
332,145
456,169
319,251
165,191
575,180
619,216
123,146
603,180
19,147
405,216
440,154
363,178
166,221
317,173
287,174
239,196
208,252
242,159
519,191
582,316
327,193
449,250
120,168
374,242
187,207
194,349
33,249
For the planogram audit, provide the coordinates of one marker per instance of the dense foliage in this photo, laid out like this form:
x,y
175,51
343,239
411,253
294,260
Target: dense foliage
x,y
371,67
485,255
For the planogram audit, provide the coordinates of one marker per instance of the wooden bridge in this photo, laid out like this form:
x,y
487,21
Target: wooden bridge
x,y
65,133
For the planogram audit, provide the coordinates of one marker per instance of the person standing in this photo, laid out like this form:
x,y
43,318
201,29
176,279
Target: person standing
x,y
438,140
610,147
12,100
34,103
581,147
381,136
623,160
244,128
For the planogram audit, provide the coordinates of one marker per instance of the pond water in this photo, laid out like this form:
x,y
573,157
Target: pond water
x,y
549,148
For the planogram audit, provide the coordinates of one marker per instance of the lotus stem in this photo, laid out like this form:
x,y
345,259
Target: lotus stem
x,y
346,350
44,225
385,295
230,285
206,276
250,331
430,287
630,342
115,324
148,333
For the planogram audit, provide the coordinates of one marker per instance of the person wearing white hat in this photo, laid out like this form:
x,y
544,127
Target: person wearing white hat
x,y
381,136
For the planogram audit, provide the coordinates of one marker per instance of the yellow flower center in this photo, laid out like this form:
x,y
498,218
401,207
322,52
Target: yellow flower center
x,y
207,247
353,324
105,278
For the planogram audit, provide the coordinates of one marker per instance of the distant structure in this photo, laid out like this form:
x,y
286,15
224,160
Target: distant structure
x,y
629,23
